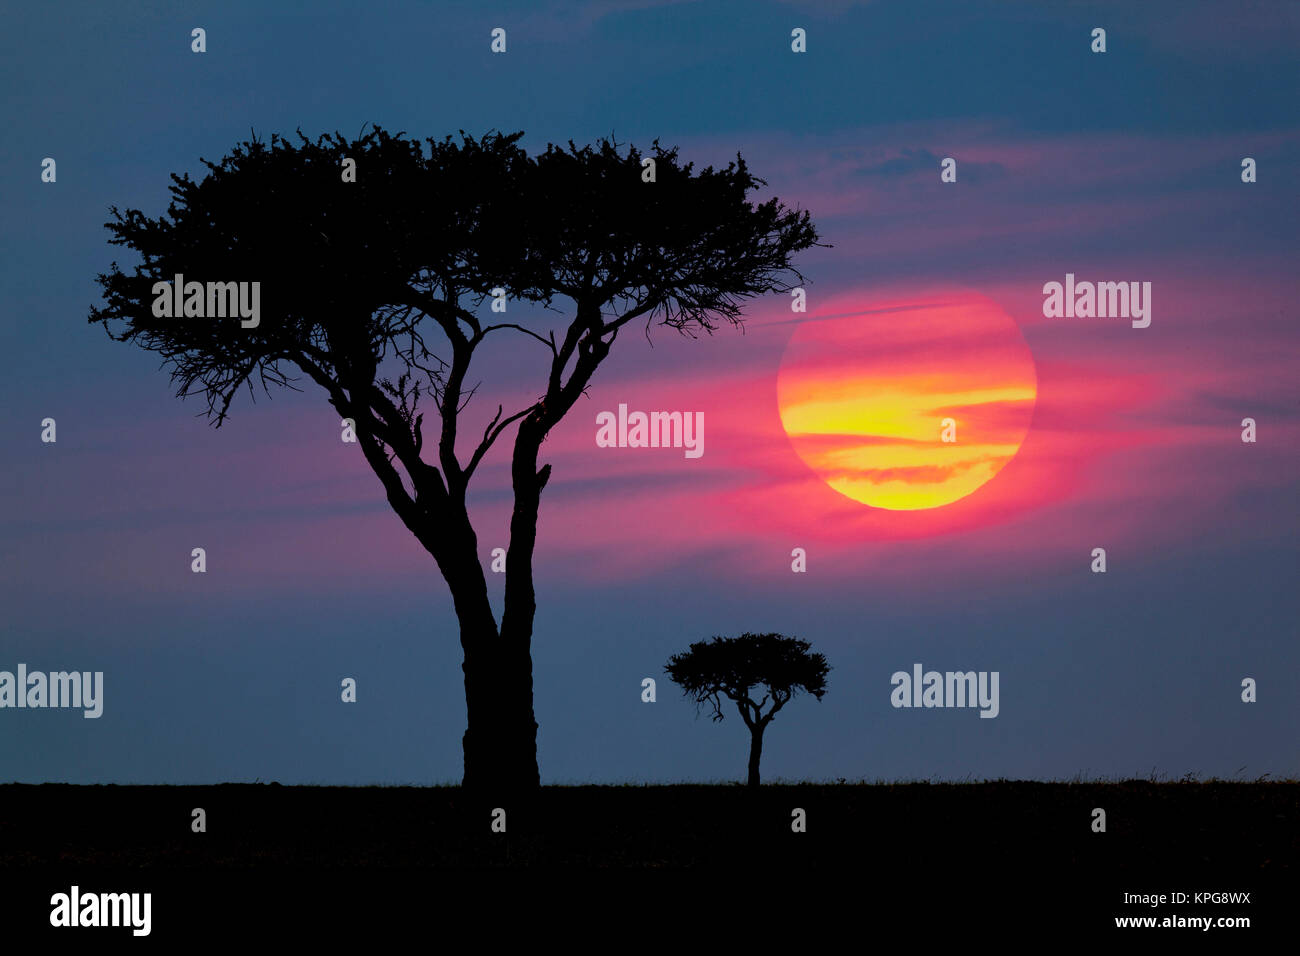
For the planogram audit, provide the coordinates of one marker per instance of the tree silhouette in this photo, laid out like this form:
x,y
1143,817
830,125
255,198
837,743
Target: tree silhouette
x,y
734,666
370,290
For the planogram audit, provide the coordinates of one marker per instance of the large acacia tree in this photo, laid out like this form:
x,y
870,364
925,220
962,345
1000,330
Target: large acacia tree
x,y
375,290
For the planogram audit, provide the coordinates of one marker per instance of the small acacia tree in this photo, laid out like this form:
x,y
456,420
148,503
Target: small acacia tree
x,y
735,667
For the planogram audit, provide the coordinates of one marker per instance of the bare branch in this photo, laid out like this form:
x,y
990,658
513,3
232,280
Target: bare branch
x,y
490,435
549,343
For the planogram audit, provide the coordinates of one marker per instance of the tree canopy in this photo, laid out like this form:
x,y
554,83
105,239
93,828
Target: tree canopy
x,y
734,667
350,269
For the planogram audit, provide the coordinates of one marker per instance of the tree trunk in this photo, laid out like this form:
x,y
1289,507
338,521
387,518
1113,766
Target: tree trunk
x,y
755,753
500,739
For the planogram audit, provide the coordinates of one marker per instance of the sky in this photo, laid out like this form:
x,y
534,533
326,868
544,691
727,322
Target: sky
x,y
1089,433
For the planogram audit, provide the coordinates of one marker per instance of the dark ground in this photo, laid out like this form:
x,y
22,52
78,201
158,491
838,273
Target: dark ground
x,y
1006,853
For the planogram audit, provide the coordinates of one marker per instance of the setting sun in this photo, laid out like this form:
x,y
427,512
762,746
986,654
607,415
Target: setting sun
x,y
908,405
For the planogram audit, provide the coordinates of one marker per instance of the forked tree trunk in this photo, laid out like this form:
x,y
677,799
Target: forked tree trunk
x,y
501,737
500,740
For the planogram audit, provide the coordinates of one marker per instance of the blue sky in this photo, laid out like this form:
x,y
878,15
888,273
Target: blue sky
x,y
1123,164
